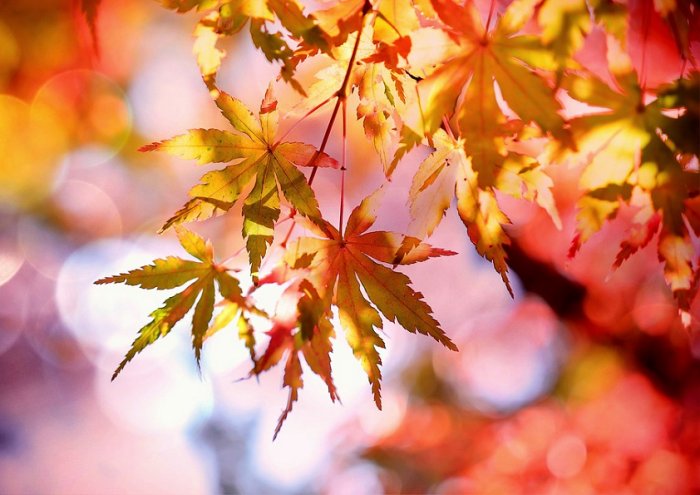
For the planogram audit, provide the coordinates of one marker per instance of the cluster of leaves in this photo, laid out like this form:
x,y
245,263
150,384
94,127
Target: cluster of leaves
x,y
485,88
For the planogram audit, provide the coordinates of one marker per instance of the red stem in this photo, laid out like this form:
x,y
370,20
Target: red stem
x,y
324,142
341,95
488,20
307,114
343,167
448,129
239,251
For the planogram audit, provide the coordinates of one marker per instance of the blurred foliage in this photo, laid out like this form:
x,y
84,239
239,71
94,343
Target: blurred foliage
x,y
616,406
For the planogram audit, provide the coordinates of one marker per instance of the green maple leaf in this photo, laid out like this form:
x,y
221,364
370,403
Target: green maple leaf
x,y
173,272
270,164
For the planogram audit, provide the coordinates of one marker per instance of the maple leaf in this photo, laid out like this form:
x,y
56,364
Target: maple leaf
x,y
301,28
377,107
381,91
308,335
463,89
340,266
270,164
207,33
172,272
395,19
481,58
342,19
449,172
683,20
226,18
380,82
233,313
637,148
564,28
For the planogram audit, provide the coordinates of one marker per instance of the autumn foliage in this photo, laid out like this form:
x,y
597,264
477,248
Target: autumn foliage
x,y
501,93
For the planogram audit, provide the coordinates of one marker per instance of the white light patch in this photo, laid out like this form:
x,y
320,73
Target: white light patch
x,y
302,447
348,375
88,209
508,360
107,316
224,352
378,423
268,297
167,96
360,479
11,258
309,432
154,396
32,238
88,156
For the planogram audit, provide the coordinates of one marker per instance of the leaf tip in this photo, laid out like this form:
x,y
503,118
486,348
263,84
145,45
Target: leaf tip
x,y
269,103
112,279
150,147
377,393
447,342
508,286
117,371
288,408
443,252
575,246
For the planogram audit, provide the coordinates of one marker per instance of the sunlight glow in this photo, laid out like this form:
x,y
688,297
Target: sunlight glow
x,y
159,88
509,361
95,314
170,396
11,259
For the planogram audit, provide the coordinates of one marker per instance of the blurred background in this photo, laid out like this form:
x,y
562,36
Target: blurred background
x,y
584,383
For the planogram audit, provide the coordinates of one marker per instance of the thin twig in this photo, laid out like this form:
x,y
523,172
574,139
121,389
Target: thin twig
x,y
341,95
488,21
295,124
448,128
324,142
343,168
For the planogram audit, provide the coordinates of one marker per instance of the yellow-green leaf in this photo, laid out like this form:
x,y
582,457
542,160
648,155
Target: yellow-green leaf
x,y
167,273
359,319
207,146
174,272
269,163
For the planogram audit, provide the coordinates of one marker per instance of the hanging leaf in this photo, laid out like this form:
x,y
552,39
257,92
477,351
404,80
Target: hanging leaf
x,y
339,265
269,164
309,337
170,273
640,147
